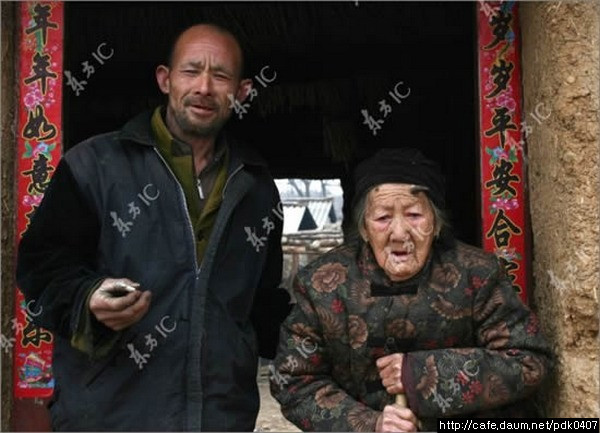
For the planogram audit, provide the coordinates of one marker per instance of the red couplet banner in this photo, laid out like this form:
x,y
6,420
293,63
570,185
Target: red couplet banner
x,y
503,204
38,152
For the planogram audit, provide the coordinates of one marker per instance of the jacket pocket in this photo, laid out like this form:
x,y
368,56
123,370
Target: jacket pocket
x,y
57,416
98,366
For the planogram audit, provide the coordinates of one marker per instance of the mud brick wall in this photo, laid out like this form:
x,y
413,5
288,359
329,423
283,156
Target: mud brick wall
x,y
560,71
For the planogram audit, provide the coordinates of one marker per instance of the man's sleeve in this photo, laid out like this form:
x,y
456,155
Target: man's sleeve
x,y
271,303
55,263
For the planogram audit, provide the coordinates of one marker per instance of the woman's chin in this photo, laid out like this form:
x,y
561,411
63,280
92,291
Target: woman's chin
x,y
401,272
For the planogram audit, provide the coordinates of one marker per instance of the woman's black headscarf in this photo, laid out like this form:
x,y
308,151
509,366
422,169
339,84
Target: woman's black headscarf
x,y
403,165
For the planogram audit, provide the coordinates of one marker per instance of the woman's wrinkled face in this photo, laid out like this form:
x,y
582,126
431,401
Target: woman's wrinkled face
x,y
399,226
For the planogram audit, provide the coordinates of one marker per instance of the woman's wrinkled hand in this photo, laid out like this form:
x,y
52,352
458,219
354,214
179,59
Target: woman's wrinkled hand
x,y
396,419
390,372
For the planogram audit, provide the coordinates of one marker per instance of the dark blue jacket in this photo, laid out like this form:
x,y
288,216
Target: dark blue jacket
x,y
115,209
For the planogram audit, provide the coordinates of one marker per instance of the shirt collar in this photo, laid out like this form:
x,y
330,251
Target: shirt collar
x,y
176,147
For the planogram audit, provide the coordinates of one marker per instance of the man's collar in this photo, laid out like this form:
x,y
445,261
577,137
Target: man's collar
x,y
162,135
140,130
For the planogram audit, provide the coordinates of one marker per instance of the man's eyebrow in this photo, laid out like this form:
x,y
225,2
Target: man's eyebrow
x,y
199,64
194,64
221,68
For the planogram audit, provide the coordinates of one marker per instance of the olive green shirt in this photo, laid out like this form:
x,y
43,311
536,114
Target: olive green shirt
x,y
203,194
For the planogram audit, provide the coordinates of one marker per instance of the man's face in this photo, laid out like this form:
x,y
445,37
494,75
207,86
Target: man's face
x,y
205,69
399,227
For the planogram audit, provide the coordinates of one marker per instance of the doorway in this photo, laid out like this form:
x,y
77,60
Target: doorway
x,y
345,80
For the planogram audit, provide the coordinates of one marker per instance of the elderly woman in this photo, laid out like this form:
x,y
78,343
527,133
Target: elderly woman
x,y
405,309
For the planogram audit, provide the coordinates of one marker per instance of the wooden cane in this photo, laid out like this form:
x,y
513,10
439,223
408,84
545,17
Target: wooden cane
x,y
401,400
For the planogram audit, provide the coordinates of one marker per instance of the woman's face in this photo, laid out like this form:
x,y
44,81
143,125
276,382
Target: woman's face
x,y
399,226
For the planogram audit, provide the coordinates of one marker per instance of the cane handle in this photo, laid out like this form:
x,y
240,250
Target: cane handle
x,y
401,400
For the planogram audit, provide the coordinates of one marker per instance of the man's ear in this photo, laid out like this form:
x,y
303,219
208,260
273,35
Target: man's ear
x,y
244,90
162,78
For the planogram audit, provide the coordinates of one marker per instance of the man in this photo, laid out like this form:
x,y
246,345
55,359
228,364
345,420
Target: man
x,y
155,258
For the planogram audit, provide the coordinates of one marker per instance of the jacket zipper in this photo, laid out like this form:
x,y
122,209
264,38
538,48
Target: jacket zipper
x,y
187,215
230,177
199,186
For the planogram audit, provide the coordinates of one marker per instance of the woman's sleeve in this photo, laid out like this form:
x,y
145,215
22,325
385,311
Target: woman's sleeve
x,y
509,361
301,376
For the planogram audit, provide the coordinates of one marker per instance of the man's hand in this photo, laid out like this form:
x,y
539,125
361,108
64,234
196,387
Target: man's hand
x,y
118,313
390,372
396,419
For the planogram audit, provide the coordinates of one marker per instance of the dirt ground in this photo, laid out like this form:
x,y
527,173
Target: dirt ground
x,y
269,417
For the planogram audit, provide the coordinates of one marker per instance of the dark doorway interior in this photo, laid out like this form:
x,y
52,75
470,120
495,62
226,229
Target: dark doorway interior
x,y
332,60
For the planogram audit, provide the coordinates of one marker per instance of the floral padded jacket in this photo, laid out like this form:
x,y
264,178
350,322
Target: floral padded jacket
x,y
472,348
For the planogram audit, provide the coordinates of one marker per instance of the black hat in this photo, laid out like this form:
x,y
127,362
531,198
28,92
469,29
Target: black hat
x,y
400,165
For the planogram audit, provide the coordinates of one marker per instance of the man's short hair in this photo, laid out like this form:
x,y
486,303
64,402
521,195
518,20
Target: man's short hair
x,y
218,27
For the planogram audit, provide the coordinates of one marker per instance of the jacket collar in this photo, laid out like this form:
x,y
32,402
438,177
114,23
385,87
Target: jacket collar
x,y
139,130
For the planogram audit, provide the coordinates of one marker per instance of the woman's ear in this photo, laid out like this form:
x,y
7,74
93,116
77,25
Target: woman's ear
x,y
363,233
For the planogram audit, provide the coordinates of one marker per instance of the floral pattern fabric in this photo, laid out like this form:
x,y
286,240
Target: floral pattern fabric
x,y
472,348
